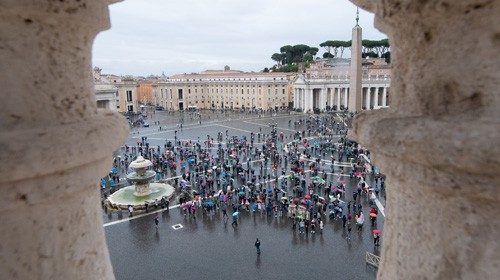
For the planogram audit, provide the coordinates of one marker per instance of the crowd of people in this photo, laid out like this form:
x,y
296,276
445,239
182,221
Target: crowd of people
x,y
300,173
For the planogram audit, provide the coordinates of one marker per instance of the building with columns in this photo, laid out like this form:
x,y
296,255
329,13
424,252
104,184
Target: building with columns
x,y
356,84
326,84
224,89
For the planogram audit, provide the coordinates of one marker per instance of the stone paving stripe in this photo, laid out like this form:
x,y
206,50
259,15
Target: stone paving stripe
x,y
259,124
233,128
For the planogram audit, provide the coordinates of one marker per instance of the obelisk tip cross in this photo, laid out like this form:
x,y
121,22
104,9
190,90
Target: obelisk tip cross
x,y
357,16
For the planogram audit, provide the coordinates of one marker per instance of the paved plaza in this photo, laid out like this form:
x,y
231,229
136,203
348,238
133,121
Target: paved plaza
x,y
205,245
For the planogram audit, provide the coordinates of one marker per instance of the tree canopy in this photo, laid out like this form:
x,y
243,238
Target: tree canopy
x,y
378,47
289,57
333,47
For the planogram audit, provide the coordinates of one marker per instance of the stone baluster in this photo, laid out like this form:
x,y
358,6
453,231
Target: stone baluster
x,y
384,97
55,144
438,142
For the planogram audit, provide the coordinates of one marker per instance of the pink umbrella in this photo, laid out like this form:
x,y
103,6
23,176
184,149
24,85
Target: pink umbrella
x,y
187,204
373,215
376,231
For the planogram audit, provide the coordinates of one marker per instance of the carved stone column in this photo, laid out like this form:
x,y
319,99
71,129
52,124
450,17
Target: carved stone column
x,y
438,142
54,143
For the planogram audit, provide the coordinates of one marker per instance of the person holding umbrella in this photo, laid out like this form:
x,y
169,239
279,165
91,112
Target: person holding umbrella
x,y
376,237
373,216
235,219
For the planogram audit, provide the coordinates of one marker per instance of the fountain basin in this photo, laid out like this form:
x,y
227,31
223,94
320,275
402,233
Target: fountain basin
x,y
126,196
135,177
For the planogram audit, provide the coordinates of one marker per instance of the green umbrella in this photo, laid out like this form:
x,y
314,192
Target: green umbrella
x,y
318,180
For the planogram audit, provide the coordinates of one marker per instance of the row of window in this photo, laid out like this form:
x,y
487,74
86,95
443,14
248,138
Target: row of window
x,y
223,79
180,92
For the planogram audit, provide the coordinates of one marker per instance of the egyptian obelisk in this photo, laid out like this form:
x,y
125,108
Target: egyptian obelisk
x,y
355,98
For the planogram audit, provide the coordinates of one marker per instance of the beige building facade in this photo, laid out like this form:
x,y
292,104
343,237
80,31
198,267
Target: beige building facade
x,y
128,100
224,89
115,92
128,97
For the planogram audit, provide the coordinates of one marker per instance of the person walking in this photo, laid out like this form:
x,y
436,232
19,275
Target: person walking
x,y
257,246
235,220
156,222
349,228
225,217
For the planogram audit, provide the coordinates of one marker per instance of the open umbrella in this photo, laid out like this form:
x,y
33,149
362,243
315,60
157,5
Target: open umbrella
x,y
376,231
235,214
187,204
209,203
373,215
307,196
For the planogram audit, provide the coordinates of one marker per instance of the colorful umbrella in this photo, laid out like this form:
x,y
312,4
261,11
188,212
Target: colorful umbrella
x,y
376,231
373,215
209,203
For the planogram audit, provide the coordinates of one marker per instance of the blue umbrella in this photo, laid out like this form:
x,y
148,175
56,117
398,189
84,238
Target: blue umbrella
x,y
209,203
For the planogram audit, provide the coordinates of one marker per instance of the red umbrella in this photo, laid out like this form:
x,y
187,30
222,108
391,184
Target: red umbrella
x,y
376,231
307,196
373,215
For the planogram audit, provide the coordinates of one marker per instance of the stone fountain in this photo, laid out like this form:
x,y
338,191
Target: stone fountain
x,y
141,191
141,176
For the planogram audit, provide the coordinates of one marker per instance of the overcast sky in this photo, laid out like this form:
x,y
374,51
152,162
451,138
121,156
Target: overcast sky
x,y
183,36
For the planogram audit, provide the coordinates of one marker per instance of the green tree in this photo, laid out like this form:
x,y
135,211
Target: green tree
x,y
329,47
308,57
342,45
278,57
387,56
